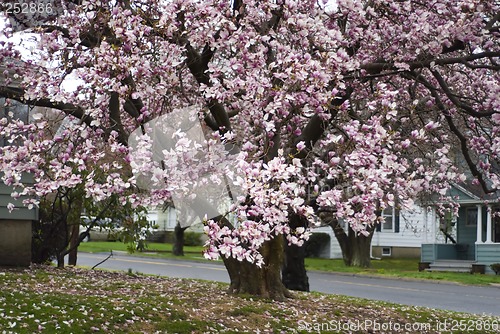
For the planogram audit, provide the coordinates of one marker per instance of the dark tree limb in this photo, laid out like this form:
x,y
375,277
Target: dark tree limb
x,y
106,259
316,126
68,108
115,118
378,67
452,97
456,131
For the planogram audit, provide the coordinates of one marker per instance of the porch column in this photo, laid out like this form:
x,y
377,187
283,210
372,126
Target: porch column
x,y
426,226
431,217
488,226
479,233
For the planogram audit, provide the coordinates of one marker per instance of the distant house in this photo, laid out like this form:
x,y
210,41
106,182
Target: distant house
x,y
475,235
15,226
468,242
166,219
400,235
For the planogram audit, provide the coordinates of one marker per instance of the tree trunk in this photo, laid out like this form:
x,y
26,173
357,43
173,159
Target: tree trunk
x,y
178,248
73,255
247,278
61,241
74,214
355,247
60,260
294,270
360,246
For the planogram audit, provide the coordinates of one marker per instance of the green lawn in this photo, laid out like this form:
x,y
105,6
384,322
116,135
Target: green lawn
x,y
152,249
399,268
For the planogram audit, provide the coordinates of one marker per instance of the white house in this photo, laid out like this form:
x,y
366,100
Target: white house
x,y
400,235
166,219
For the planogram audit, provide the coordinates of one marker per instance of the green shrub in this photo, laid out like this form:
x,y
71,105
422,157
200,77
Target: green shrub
x,y
496,268
316,243
192,239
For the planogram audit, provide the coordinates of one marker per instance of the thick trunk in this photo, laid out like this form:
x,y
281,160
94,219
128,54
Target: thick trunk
x,y
74,214
178,248
360,246
62,241
73,241
60,260
294,270
355,247
247,278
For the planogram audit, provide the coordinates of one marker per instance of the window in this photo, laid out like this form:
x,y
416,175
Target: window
x,y
391,220
386,251
471,216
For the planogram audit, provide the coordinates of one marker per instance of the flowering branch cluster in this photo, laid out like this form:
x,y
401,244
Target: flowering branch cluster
x,y
369,103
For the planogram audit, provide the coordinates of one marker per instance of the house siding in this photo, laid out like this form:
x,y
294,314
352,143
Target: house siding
x,y
428,253
15,228
405,243
488,254
20,212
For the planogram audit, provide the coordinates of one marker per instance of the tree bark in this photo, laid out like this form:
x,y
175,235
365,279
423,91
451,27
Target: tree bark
x,y
360,246
178,248
294,270
355,247
247,278
74,215
73,255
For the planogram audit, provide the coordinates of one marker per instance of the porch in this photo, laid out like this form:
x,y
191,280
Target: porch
x,y
477,242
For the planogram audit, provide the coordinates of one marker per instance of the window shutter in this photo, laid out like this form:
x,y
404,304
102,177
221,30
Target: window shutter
x,y
396,221
378,228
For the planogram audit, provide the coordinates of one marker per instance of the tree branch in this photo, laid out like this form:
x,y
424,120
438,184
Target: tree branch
x,y
456,131
378,67
68,108
115,119
465,107
316,126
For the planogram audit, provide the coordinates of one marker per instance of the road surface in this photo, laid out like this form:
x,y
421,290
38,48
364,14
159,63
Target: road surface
x,y
446,296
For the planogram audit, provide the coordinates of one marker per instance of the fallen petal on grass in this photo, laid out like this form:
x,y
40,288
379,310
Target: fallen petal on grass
x,y
74,300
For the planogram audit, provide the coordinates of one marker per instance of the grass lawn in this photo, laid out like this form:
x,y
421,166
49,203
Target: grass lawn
x,y
153,249
45,299
400,268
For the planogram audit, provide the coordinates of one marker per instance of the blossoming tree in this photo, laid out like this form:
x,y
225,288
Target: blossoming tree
x,y
339,109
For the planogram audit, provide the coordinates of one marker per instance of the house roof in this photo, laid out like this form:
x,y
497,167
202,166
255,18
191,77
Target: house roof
x,y
470,192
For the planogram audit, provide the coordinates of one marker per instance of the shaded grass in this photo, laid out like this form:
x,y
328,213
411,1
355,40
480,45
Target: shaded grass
x,y
50,300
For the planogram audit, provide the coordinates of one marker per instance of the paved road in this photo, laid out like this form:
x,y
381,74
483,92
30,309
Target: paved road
x,y
461,298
